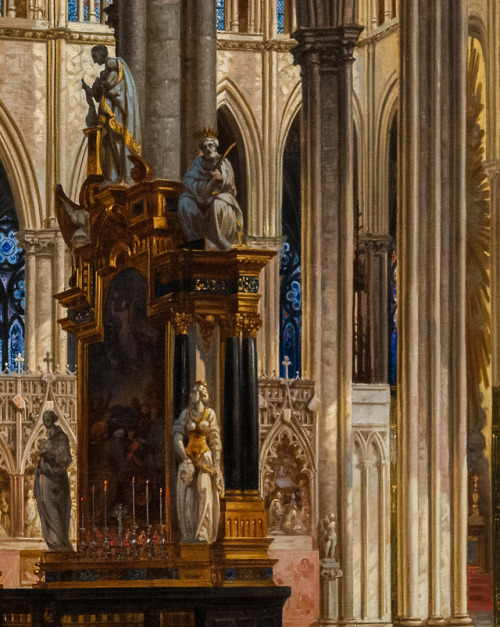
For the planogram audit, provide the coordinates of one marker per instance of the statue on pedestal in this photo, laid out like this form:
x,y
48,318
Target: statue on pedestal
x,y
52,489
208,207
118,114
198,447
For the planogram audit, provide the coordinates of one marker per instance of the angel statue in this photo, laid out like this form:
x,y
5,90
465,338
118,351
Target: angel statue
x,y
208,207
198,448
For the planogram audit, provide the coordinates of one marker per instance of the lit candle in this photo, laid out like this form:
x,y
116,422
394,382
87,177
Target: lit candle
x,y
147,501
81,505
133,501
93,507
105,498
161,510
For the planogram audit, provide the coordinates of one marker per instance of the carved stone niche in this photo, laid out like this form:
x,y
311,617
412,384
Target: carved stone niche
x,y
287,485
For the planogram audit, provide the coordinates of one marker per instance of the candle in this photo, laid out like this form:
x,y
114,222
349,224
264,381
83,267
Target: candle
x,y
133,501
105,498
147,501
161,510
93,507
81,505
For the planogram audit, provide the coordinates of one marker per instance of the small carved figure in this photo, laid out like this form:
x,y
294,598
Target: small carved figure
x,y
330,537
118,113
5,511
52,489
31,518
208,207
199,478
276,514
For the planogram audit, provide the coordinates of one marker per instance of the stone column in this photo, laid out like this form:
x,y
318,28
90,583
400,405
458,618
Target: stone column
x,y
162,125
326,56
131,44
30,242
200,93
432,419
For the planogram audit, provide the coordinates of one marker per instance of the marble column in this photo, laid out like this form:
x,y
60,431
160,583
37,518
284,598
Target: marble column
x,y
182,377
249,454
232,428
161,129
432,417
326,56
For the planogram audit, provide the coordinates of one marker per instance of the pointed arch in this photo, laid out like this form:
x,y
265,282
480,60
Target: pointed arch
x,y
229,96
16,160
7,462
388,108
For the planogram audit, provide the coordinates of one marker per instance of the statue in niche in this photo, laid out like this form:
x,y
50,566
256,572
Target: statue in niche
x,y
329,537
32,527
198,447
275,514
52,489
5,511
118,114
208,207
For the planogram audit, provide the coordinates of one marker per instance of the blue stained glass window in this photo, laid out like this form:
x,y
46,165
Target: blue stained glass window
x,y
281,16
12,293
72,13
290,266
73,10
221,18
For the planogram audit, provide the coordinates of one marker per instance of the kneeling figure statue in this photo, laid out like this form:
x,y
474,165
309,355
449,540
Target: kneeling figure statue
x,y
198,447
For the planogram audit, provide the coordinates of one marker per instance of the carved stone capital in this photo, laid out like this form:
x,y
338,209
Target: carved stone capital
x,y
330,569
40,243
327,47
181,323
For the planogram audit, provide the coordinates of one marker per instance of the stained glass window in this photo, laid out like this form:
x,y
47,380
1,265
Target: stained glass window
x,y
393,330
221,19
11,279
73,9
392,256
290,267
281,16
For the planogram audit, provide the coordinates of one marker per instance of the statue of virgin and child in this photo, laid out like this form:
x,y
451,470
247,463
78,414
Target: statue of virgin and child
x,y
118,115
198,448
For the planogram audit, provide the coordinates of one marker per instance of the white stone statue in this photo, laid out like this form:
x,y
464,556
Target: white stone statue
x,y
118,114
31,518
276,514
208,207
330,537
52,490
198,448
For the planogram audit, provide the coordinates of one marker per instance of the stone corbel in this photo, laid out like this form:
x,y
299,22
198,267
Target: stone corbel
x,y
330,570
